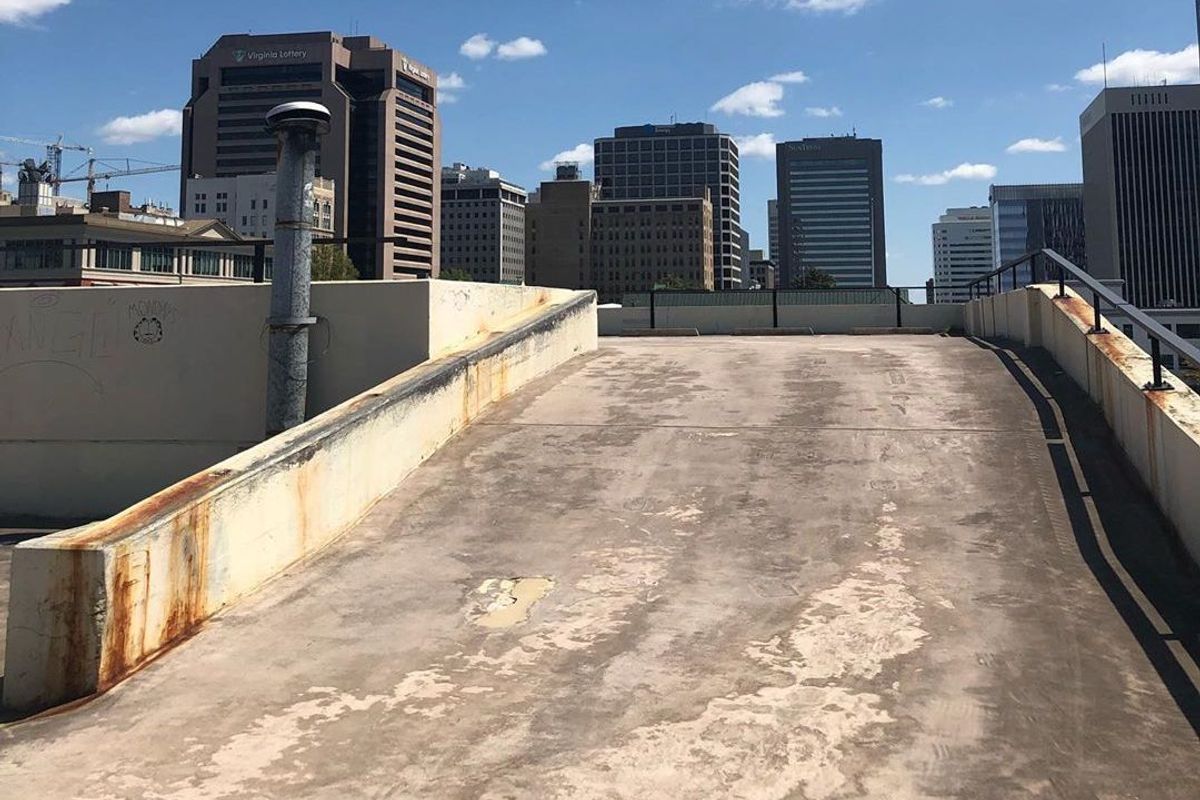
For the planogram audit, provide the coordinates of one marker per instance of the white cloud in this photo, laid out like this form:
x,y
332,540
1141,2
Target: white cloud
x,y
937,102
477,47
19,12
1145,68
581,154
823,6
521,47
823,113
1057,88
963,172
449,86
1034,145
759,146
758,99
143,127
789,77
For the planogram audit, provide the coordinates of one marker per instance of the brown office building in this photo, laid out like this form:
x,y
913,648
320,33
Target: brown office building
x,y
558,231
637,246
383,152
575,240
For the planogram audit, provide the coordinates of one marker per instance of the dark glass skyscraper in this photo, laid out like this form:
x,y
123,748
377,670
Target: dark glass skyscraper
x,y
830,208
1033,217
681,160
1141,192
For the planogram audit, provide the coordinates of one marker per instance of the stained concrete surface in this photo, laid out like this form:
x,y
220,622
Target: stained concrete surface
x,y
781,568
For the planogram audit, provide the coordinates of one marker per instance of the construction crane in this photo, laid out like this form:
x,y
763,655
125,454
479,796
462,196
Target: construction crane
x,y
54,153
112,172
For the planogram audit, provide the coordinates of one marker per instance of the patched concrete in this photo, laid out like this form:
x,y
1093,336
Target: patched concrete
x,y
781,568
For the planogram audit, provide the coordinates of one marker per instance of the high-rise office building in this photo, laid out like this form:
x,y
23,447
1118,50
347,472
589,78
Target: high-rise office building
x,y
1029,218
558,231
382,152
831,210
962,251
483,224
680,160
773,229
1141,192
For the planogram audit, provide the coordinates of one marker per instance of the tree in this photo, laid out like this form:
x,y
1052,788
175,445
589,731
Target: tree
x,y
674,282
814,278
455,274
330,263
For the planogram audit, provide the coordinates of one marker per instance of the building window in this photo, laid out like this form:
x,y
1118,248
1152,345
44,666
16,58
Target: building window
x,y
158,259
243,266
32,254
1188,330
206,262
113,256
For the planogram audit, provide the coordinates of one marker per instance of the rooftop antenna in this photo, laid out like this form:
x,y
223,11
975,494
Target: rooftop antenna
x,y
1104,59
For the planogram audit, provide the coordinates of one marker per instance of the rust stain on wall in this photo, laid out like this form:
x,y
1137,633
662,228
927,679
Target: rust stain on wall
x,y
187,575
302,505
1152,440
171,499
76,677
116,659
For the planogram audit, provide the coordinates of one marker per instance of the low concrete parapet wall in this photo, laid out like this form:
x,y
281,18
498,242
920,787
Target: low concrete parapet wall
x,y
91,605
822,319
1158,430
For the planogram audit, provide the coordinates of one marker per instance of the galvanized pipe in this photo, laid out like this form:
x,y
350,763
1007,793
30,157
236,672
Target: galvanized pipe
x,y
297,126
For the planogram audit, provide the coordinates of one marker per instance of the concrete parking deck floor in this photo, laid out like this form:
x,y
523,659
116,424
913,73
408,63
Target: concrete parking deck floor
x,y
755,568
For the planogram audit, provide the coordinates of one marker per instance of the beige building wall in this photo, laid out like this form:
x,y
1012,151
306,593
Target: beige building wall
x,y
110,394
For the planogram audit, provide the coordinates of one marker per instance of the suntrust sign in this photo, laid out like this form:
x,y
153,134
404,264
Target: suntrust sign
x,y
267,55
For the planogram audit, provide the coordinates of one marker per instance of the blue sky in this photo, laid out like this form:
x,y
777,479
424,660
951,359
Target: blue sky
x,y
1005,71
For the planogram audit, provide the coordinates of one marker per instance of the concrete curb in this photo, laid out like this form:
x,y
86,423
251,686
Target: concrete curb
x,y
92,605
795,331
892,331
660,332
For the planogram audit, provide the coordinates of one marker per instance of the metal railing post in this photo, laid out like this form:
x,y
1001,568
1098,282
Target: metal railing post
x,y
1097,327
1062,281
774,308
651,309
899,311
1156,359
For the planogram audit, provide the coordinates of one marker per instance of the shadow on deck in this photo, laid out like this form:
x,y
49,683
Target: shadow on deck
x,y
1129,545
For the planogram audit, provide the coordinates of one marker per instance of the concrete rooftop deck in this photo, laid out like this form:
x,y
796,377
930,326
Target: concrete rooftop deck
x,y
758,568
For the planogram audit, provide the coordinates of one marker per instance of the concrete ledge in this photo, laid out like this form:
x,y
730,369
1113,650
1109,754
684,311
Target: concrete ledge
x,y
892,331
660,332
774,332
92,605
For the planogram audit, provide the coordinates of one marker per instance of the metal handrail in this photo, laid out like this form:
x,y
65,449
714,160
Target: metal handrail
x,y
1157,332
897,292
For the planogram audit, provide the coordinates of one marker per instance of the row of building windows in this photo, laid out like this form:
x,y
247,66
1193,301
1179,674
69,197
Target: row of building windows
x,y
664,143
